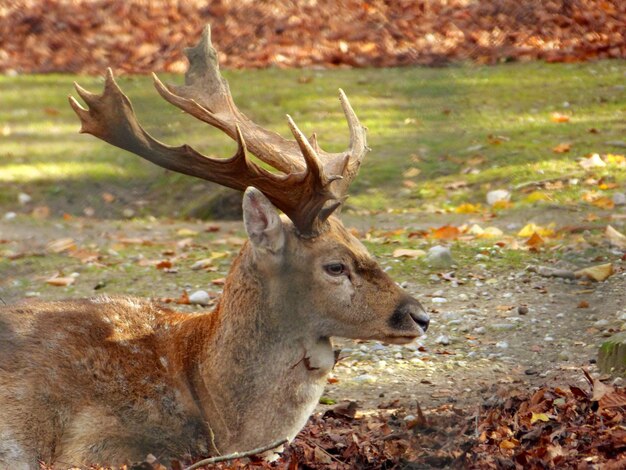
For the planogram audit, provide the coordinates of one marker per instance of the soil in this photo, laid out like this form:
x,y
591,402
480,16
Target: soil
x,y
502,328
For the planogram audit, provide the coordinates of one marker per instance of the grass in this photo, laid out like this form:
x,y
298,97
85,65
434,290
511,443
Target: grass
x,y
437,120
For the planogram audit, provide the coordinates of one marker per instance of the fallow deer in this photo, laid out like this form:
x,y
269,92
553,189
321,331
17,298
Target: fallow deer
x,y
108,380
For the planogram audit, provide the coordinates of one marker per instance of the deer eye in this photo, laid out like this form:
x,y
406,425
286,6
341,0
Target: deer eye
x,y
335,269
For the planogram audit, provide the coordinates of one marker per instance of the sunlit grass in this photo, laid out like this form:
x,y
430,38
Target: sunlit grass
x,y
432,119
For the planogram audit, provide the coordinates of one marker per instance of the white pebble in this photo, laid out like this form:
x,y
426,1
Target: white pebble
x,y
200,297
443,339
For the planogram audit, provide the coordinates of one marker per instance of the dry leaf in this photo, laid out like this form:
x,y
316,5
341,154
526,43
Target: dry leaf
x,y
468,208
60,281
598,273
411,172
41,212
535,240
186,232
615,238
562,147
61,245
539,417
108,198
558,117
447,232
408,253
603,203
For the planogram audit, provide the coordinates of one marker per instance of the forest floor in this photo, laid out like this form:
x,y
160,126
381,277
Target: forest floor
x,y
78,218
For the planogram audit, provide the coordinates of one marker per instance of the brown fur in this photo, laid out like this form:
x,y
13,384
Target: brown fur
x,y
109,380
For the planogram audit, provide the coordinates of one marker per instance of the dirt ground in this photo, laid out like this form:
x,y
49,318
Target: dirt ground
x,y
502,328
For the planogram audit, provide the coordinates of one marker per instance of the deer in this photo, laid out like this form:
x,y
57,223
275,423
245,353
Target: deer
x,y
109,379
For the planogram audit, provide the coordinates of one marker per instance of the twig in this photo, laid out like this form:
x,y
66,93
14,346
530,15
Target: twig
x,y
311,443
237,455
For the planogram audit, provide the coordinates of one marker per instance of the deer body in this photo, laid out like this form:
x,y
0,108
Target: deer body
x,y
108,380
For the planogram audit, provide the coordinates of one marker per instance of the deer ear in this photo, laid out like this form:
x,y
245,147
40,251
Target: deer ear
x,y
262,222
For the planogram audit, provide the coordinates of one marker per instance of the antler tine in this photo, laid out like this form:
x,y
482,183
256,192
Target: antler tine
x,y
312,184
358,138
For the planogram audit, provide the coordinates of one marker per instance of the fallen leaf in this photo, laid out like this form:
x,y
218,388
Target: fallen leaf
x,y
535,240
539,417
583,304
41,212
559,118
60,281
186,232
598,273
206,263
562,147
592,161
508,444
468,208
108,198
408,253
164,264
603,203
529,229
615,238
61,245
447,232
411,172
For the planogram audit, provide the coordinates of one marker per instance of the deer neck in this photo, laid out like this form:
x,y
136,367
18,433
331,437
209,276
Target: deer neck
x,y
256,350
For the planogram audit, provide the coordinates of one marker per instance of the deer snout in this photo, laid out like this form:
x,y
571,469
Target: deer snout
x,y
408,315
418,314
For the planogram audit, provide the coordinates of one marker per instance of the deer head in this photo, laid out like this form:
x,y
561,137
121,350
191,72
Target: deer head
x,y
351,293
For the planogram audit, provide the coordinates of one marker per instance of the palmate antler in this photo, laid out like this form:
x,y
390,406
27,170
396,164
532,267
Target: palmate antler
x,y
312,183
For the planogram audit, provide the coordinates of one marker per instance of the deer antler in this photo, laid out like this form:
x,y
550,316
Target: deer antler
x,y
312,184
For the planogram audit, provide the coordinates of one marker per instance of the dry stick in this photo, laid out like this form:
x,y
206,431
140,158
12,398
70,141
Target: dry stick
x,y
237,455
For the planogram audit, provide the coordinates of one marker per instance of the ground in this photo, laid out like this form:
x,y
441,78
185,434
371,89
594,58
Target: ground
x,y
491,323
78,218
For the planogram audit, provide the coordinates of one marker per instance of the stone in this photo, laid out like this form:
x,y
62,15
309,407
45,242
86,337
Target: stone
x,y
601,323
443,339
619,199
24,198
498,195
502,345
439,256
365,378
200,297
612,355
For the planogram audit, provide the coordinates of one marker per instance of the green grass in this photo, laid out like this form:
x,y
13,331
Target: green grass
x,y
432,119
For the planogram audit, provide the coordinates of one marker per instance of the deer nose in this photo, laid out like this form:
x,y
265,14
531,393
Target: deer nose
x,y
417,313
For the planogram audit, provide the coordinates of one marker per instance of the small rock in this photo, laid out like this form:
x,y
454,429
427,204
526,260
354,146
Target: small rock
x,y
564,356
439,256
200,297
128,213
409,418
616,143
503,326
439,300
601,323
502,345
10,216
365,378
24,198
480,330
522,310
377,347
481,257
434,278
462,297
443,339
619,199
498,195
548,339
472,311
